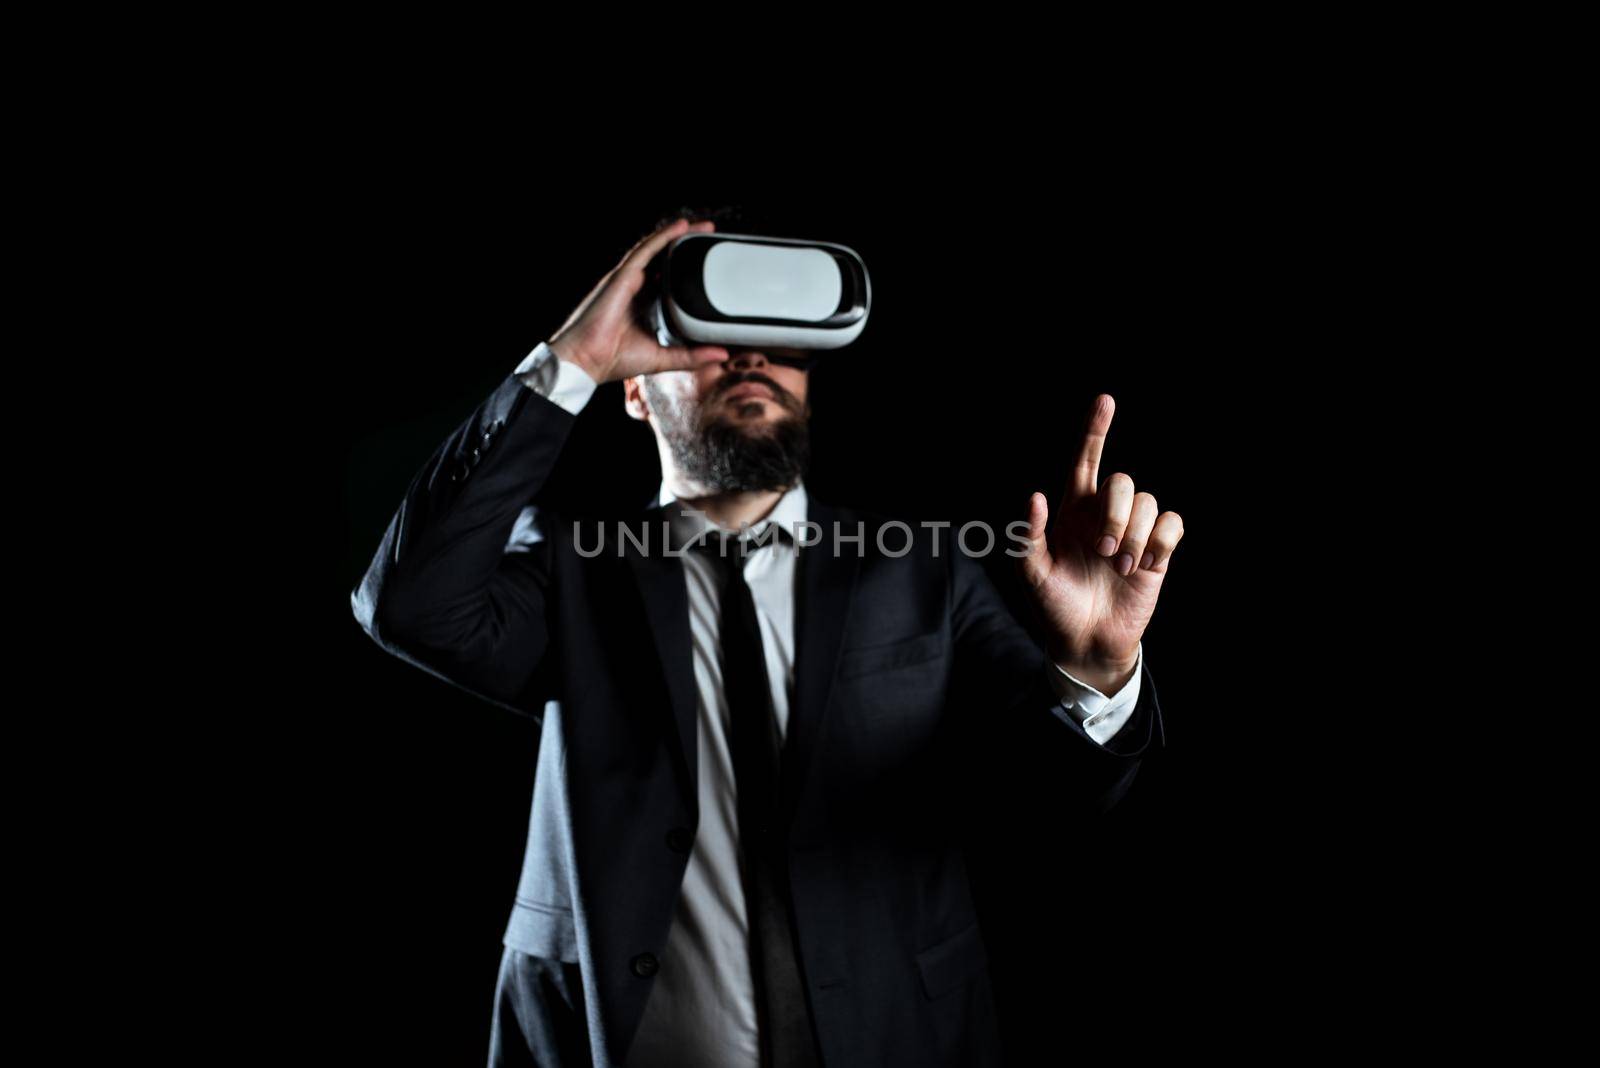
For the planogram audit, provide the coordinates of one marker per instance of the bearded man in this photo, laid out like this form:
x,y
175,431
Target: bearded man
x,y
758,710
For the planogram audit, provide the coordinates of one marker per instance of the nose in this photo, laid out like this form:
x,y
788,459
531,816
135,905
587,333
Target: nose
x,y
746,359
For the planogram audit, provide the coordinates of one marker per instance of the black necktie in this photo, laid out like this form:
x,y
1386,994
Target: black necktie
x,y
787,1037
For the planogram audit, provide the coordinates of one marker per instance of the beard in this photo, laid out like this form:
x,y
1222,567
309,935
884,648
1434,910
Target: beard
x,y
725,456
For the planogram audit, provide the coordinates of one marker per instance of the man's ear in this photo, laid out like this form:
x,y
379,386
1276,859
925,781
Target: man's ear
x,y
633,401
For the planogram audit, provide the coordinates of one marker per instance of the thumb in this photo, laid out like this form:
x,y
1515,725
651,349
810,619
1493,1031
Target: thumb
x,y
1036,565
674,358
684,357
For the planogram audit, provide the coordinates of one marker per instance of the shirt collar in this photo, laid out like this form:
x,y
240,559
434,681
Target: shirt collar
x,y
688,524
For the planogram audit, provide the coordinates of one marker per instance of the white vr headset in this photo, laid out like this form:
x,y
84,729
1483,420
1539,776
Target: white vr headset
x,y
748,291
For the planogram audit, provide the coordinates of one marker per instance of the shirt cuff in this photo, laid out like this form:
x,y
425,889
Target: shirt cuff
x,y
1100,716
561,381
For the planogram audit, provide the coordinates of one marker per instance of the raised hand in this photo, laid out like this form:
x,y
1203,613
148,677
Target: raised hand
x,y
1096,571
603,334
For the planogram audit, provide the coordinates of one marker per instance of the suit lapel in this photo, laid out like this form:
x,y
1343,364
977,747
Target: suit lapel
x,y
666,601
824,587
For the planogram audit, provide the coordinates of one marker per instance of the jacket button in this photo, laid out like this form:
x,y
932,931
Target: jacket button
x,y
488,436
645,965
476,453
679,839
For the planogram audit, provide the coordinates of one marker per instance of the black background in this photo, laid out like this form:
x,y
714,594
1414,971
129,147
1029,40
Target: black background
x,y
999,312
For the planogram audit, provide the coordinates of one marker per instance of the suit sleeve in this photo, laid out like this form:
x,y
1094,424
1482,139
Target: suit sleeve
x,y
1011,696
459,583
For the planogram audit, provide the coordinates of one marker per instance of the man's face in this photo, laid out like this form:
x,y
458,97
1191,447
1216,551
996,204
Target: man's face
x,y
733,424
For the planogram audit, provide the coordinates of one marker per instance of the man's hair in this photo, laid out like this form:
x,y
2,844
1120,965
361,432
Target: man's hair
x,y
772,220
726,216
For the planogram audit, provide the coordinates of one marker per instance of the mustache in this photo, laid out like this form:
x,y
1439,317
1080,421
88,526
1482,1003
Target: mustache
x,y
739,378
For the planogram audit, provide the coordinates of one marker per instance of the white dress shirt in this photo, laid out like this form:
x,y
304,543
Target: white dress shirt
x,y
701,1011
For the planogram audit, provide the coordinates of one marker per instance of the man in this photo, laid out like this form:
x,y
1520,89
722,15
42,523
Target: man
x,y
742,846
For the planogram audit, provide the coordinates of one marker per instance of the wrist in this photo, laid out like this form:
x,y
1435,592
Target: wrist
x,y
1106,673
566,351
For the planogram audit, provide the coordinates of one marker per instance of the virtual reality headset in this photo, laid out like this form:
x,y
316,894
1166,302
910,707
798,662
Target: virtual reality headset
x,y
767,293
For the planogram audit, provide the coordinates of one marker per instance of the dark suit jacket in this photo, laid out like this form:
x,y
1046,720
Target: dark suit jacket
x,y
907,669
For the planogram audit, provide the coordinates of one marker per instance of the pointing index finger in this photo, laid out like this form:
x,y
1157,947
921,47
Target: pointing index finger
x,y
1086,475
